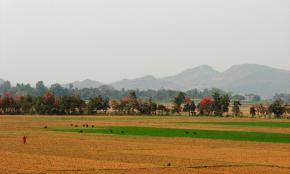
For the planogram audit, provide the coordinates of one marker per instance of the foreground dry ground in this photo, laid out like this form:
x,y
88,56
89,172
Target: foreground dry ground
x,y
60,152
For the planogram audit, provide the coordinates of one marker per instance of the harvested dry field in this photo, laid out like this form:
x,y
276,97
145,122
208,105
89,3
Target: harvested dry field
x,y
49,151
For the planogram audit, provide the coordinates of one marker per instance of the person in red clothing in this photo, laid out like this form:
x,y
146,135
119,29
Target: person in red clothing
x,y
24,139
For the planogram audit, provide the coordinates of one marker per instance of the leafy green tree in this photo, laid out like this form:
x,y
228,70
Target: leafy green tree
x,y
116,106
22,90
288,109
152,106
177,102
98,103
71,105
147,107
277,108
58,90
236,108
284,97
144,108
40,88
5,87
253,111
71,86
221,104
47,105
40,105
162,109
189,106
26,103
133,103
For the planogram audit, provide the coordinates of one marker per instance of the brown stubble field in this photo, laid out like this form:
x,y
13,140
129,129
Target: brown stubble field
x,y
62,152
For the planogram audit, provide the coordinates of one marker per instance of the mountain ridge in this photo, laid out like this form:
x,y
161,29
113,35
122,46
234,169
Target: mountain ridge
x,y
241,79
87,83
146,82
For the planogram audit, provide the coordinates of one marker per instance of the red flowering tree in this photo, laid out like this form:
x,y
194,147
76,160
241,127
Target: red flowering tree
x,y
205,106
206,101
125,100
19,99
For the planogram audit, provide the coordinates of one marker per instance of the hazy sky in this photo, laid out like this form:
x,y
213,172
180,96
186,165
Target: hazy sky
x,y
107,40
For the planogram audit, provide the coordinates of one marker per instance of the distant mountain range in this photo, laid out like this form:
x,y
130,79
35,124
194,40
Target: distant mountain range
x,y
198,77
245,78
84,84
241,79
147,82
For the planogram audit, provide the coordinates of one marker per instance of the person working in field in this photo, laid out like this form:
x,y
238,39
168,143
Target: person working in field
x,y
24,139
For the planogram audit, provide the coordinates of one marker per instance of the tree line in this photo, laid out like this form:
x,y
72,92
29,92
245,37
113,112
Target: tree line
x,y
50,104
161,95
279,108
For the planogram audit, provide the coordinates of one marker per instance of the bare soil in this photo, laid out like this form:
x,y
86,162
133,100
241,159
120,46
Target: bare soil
x,y
61,152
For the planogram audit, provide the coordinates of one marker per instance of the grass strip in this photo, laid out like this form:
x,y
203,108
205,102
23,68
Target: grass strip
x,y
249,123
171,132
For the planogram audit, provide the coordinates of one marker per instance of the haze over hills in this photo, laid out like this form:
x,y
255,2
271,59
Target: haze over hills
x,y
241,79
147,82
1,81
258,79
84,84
245,78
198,77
